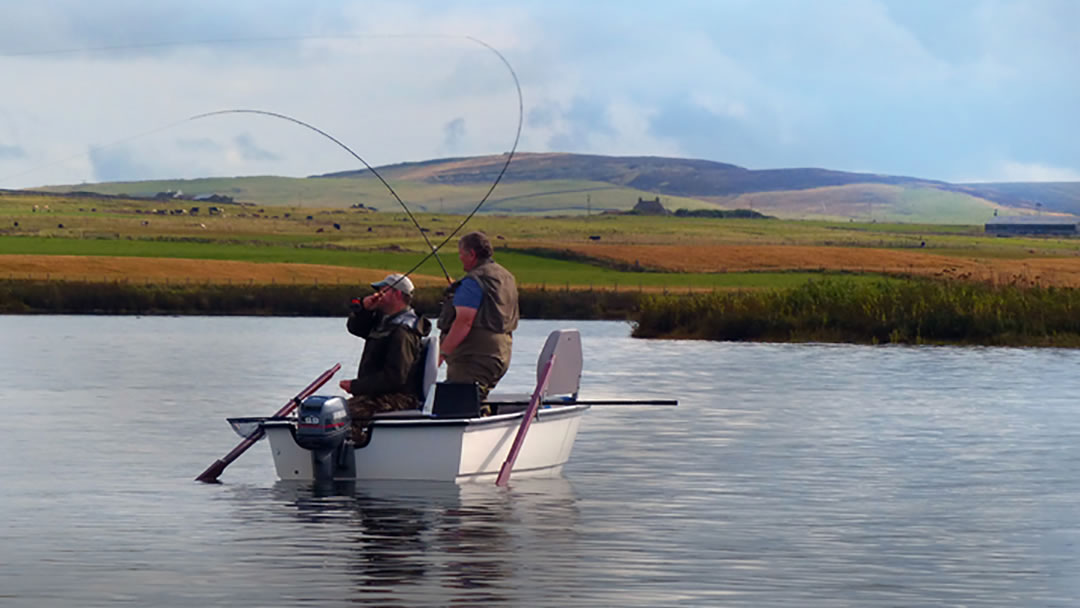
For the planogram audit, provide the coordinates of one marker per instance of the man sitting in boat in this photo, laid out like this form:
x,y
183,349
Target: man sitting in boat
x,y
390,366
478,317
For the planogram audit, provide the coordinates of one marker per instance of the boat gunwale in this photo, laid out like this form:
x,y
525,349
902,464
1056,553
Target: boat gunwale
x,y
422,420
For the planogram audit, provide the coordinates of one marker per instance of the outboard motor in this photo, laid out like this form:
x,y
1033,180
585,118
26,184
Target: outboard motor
x,y
323,425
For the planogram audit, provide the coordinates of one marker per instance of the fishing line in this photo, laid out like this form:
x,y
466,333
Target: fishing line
x,y
61,161
434,248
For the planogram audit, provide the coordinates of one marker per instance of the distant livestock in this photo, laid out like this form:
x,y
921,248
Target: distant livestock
x,y
319,230
594,237
59,225
337,226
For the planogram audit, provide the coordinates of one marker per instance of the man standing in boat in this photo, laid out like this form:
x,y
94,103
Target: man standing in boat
x,y
389,374
479,315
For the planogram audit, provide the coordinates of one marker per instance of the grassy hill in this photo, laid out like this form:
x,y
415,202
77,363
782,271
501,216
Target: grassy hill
x,y
574,184
1060,197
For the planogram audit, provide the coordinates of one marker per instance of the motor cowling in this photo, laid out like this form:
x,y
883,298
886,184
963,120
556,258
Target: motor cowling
x,y
322,423
322,427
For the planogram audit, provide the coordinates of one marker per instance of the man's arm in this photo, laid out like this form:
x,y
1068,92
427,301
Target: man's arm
x,y
467,299
463,322
362,316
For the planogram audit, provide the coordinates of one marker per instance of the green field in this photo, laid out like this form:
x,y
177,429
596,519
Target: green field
x,y
547,197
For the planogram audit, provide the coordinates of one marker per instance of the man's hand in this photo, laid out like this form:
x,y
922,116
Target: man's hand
x,y
346,385
372,301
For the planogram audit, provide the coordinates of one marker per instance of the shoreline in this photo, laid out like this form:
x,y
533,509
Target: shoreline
x,y
35,296
911,311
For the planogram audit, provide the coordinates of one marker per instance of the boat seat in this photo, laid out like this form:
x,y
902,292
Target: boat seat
x,y
430,357
565,380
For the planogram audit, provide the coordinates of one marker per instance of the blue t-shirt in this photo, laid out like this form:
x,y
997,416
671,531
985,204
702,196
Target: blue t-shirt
x,y
469,294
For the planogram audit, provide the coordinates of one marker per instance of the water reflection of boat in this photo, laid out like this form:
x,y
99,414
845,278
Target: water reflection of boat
x,y
402,542
449,440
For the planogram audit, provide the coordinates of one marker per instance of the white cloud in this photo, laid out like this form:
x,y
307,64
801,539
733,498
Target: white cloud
x,y
719,105
1033,172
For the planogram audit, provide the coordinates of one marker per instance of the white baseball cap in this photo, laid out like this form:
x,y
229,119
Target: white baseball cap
x,y
396,280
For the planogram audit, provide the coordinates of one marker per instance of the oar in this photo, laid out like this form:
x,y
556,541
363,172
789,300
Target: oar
x,y
211,474
526,421
592,402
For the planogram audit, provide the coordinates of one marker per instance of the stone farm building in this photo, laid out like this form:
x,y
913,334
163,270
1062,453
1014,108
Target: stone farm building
x,y
1033,224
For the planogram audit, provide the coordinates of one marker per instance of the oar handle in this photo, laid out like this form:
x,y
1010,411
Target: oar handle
x,y
211,474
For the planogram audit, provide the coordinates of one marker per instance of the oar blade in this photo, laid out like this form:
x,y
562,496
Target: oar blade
x,y
211,474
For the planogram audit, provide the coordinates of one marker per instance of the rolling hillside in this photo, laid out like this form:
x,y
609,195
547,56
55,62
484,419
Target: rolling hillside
x,y
569,184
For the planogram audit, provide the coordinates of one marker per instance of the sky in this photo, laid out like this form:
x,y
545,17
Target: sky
x,y
956,90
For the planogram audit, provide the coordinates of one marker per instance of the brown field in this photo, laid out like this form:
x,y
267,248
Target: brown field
x,y
165,270
1062,272
184,271
1057,271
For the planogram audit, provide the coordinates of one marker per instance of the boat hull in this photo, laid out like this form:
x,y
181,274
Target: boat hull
x,y
460,450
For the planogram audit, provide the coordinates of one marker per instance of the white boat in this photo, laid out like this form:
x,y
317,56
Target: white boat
x,y
447,440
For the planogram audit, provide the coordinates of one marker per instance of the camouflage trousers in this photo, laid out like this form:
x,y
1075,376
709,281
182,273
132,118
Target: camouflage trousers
x,y
362,408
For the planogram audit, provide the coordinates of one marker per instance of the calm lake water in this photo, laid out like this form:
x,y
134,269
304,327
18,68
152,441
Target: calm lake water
x,y
789,475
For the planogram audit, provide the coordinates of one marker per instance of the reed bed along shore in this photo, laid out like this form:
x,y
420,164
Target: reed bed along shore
x,y
316,300
887,311
896,312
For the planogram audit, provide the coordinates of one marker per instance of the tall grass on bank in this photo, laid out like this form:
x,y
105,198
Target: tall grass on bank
x,y
120,298
906,312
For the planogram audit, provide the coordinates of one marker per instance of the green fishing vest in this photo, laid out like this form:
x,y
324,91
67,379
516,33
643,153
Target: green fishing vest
x,y
498,312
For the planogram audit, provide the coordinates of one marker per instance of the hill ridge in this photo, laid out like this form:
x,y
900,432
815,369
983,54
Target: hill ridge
x,y
563,182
